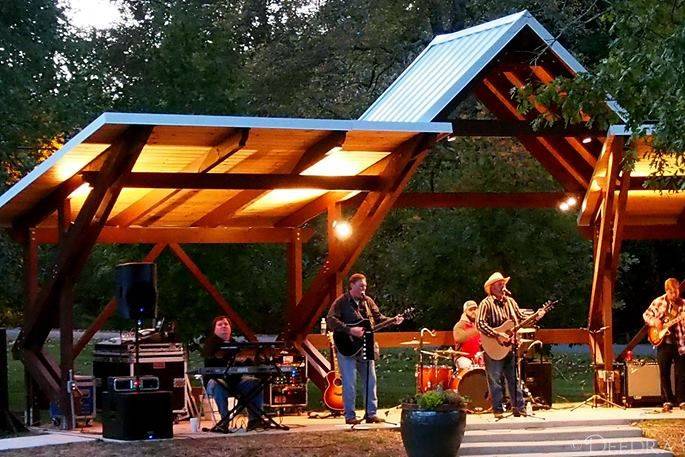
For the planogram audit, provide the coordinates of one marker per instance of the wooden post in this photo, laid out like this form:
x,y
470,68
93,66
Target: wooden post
x,y
66,324
8,422
294,265
335,217
32,399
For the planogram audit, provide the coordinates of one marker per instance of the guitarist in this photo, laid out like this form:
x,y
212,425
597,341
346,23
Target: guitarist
x,y
672,349
349,308
493,311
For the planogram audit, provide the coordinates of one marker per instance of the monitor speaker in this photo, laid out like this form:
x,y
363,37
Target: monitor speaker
x,y
136,290
137,415
538,380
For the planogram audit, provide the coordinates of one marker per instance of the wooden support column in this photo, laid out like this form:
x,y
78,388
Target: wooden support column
x,y
235,318
335,216
32,399
294,265
607,249
66,322
73,252
111,307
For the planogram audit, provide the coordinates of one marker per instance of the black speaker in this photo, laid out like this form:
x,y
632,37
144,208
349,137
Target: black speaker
x,y
538,379
136,290
137,415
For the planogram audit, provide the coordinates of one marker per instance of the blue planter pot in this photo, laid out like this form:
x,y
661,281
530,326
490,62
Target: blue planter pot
x,y
432,433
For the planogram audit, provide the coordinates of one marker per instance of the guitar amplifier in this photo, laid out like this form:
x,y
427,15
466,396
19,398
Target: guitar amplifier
x,y
642,383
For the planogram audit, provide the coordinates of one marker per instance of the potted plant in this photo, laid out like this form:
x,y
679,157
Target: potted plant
x,y
433,423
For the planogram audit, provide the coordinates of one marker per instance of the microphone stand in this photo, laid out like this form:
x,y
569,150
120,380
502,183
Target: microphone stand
x,y
607,375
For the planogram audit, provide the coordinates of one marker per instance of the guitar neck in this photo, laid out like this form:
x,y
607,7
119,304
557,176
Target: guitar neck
x,y
333,353
384,324
673,321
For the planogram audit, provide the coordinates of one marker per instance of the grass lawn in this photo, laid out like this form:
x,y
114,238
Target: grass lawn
x,y
670,434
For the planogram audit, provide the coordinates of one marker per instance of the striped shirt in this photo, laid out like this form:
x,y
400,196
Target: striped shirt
x,y
660,309
493,313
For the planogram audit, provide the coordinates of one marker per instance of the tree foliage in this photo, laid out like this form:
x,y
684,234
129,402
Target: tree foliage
x,y
331,59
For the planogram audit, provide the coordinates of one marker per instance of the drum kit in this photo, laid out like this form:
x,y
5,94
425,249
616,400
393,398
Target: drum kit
x,y
451,369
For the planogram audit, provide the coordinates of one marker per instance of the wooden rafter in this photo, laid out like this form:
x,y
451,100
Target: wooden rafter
x,y
240,181
206,284
185,235
310,210
497,128
228,209
227,146
498,104
482,199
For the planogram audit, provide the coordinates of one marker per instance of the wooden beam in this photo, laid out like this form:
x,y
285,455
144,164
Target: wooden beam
x,y
482,199
74,250
310,210
111,307
66,321
239,181
227,146
653,232
318,151
502,107
498,128
32,397
235,318
185,235
639,336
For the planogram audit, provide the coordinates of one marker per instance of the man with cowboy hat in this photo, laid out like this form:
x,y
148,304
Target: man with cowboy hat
x,y
466,336
494,310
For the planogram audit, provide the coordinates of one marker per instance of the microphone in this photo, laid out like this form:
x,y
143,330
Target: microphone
x,y
506,291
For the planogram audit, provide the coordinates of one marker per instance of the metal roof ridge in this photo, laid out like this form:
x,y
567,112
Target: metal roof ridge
x,y
506,20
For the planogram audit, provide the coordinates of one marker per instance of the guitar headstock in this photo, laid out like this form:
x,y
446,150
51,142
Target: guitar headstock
x,y
549,304
408,313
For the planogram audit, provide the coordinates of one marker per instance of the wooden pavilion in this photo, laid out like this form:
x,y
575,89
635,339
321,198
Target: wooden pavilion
x,y
168,180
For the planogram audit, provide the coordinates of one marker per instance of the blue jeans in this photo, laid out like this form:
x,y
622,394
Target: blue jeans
x,y
220,393
495,369
348,371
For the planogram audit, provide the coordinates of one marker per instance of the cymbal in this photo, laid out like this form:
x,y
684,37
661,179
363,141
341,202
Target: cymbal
x,y
450,351
411,343
435,354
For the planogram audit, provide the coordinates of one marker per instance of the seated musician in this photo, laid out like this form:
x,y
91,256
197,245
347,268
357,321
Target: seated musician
x,y
466,336
223,387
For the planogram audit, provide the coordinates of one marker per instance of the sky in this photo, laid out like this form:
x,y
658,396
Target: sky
x,y
100,14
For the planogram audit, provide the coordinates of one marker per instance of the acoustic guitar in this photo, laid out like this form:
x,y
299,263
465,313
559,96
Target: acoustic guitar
x,y
349,345
656,334
333,394
496,350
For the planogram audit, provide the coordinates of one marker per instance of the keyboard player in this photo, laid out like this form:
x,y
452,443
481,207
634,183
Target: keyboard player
x,y
223,387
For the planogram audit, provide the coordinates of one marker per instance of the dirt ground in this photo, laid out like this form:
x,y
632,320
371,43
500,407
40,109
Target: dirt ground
x,y
670,434
340,444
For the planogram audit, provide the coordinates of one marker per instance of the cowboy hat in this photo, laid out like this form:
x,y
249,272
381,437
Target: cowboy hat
x,y
495,277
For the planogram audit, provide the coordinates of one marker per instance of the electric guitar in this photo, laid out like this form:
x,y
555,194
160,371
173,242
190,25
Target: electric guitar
x,y
349,345
333,394
496,350
656,334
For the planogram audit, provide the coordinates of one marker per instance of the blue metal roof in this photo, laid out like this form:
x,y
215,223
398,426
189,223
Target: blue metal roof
x,y
449,64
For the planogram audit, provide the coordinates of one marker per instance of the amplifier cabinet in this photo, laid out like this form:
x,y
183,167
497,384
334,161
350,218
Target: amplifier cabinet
x,y
538,380
642,383
289,389
166,361
137,415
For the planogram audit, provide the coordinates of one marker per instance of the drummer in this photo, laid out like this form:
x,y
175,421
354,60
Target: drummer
x,y
466,336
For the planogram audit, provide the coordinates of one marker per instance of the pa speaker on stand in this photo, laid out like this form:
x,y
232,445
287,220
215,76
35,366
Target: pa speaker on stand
x,y
136,290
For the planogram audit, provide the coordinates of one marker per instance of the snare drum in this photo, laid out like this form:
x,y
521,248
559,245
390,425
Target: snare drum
x,y
472,384
432,376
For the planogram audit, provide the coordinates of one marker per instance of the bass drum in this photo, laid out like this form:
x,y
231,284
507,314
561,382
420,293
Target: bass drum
x,y
472,384
432,376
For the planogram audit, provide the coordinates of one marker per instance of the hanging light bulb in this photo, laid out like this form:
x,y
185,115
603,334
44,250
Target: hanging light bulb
x,y
342,229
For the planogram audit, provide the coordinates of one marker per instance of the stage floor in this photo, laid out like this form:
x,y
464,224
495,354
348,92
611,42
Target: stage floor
x,y
561,415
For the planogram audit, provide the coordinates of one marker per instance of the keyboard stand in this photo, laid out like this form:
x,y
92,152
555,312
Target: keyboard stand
x,y
244,402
